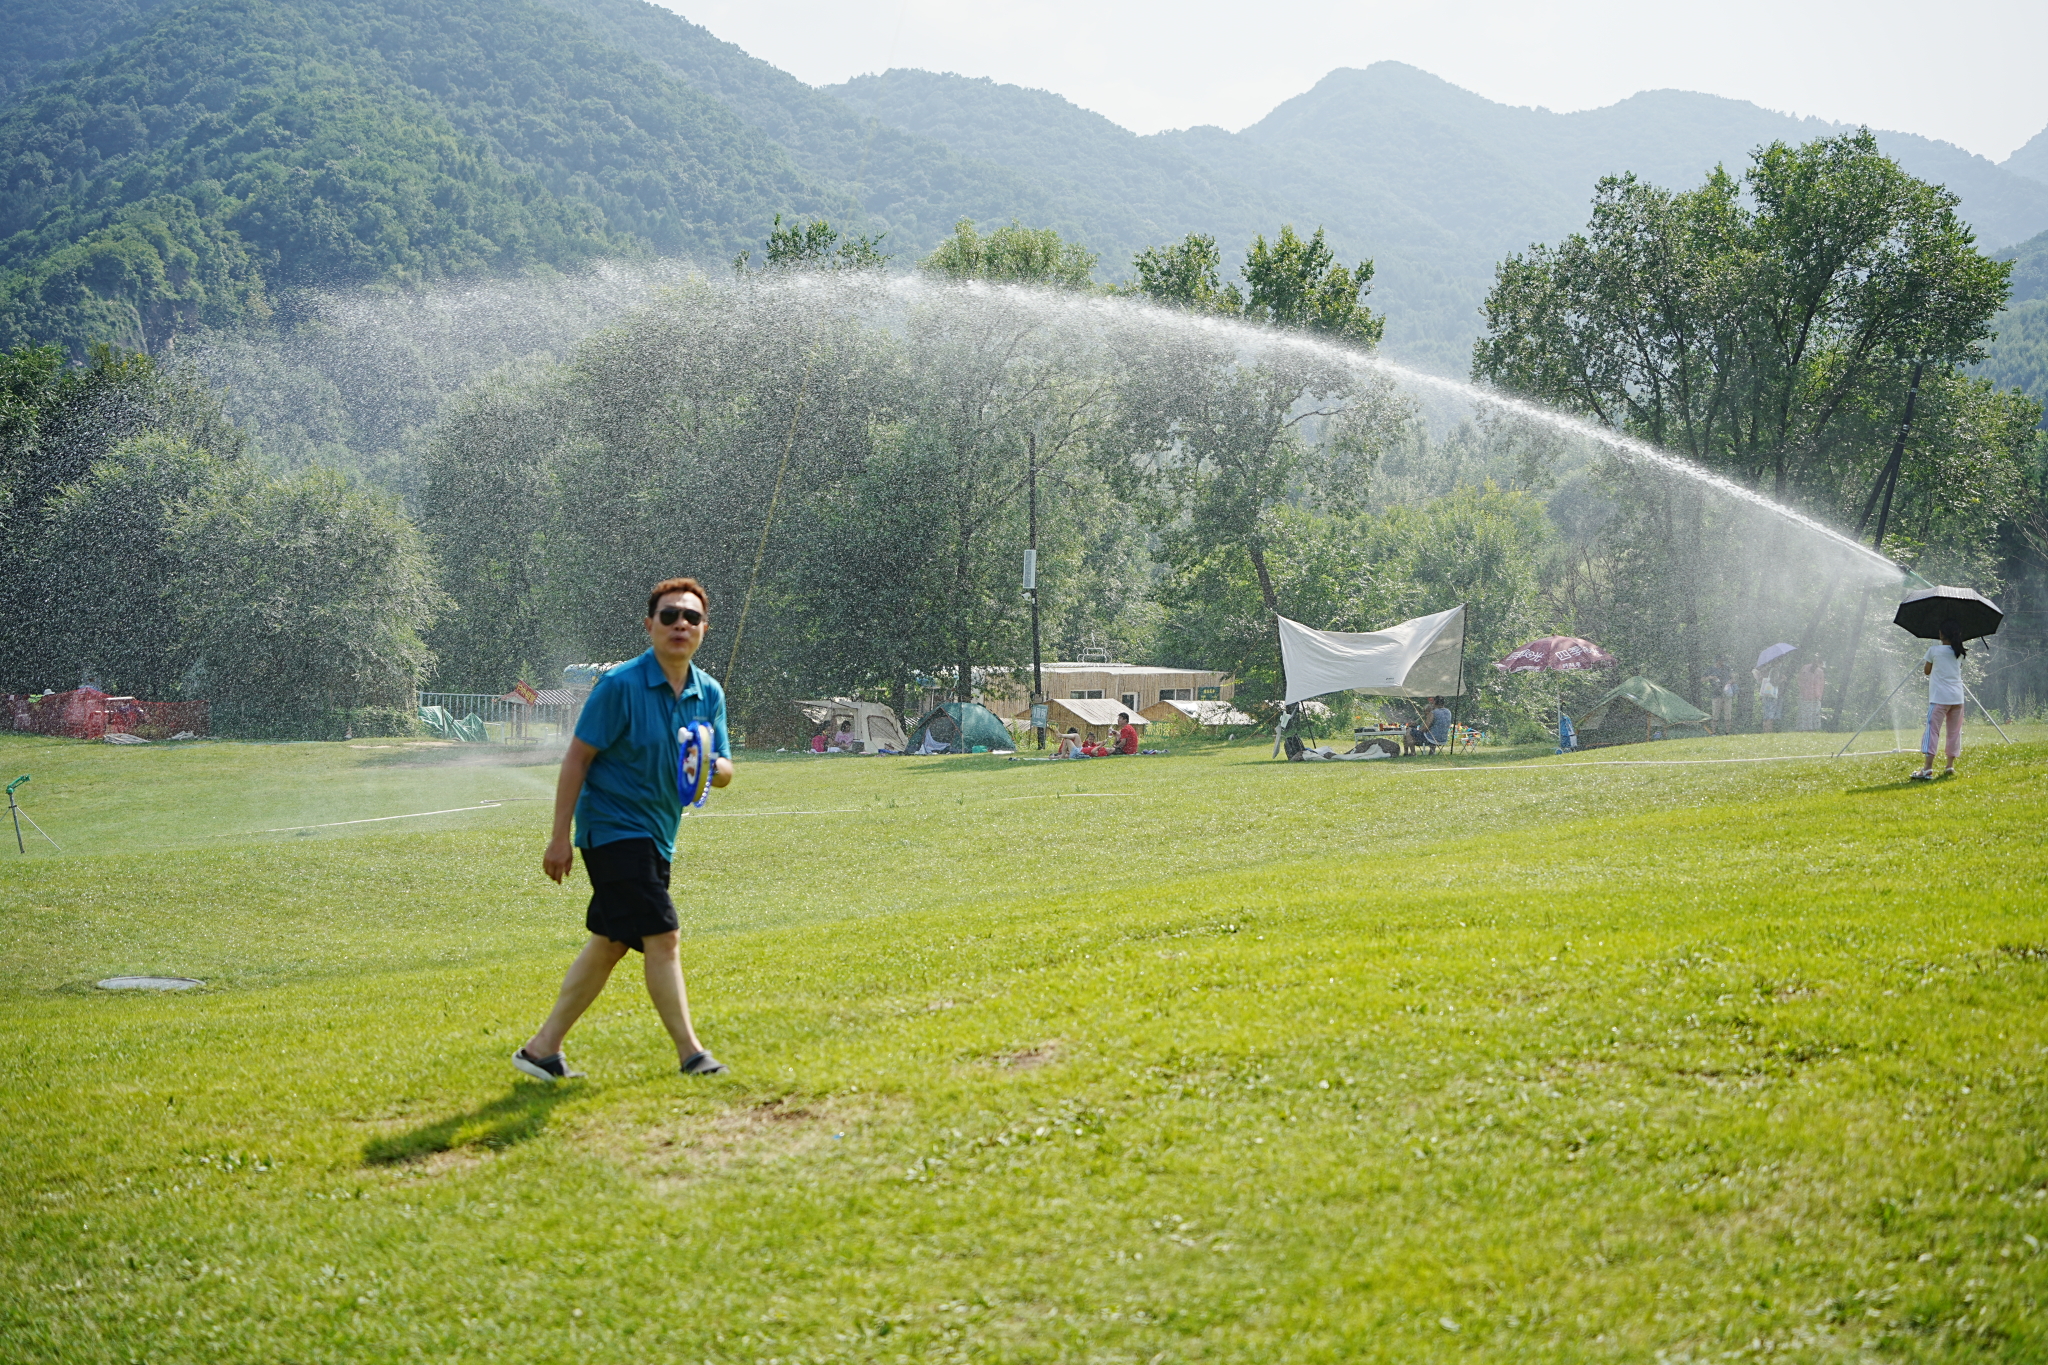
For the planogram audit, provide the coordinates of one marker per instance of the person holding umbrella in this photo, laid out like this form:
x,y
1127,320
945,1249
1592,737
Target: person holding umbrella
x,y
1949,617
1770,707
1942,666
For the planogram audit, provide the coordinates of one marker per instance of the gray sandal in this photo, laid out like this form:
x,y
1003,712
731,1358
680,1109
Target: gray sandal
x,y
702,1064
555,1068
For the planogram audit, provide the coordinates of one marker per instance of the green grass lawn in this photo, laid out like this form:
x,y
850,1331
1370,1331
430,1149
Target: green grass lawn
x,y
1195,1058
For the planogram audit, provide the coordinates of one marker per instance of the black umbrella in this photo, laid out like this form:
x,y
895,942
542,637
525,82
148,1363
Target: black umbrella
x,y
1923,612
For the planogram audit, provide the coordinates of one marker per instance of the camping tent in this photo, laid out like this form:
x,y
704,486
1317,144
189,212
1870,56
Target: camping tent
x,y
1196,713
961,725
1089,713
1637,698
1418,658
874,724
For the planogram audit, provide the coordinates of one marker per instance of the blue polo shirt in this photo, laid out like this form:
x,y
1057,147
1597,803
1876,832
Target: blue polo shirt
x,y
631,718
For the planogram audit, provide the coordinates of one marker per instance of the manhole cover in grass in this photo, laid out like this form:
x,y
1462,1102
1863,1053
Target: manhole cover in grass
x,y
149,983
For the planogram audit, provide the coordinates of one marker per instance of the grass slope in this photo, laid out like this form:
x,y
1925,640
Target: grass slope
x,y
1198,1058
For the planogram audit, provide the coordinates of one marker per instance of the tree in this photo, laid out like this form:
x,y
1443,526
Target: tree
x,y
1183,274
817,245
58,423
999,385
306,600
1298,284
1749,335
1803,330
1292,283
486,511
1212,446
1011,255
110,568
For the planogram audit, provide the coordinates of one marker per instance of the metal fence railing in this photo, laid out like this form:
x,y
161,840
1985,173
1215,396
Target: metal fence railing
x,y
506,719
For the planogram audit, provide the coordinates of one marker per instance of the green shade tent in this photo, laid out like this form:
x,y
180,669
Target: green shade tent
x,y
437,721
1640,699
961,725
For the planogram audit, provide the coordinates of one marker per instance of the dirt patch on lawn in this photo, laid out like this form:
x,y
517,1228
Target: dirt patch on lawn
x,y
692,1145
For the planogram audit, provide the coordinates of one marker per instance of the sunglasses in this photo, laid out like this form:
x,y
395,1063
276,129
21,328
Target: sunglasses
x,y
669,615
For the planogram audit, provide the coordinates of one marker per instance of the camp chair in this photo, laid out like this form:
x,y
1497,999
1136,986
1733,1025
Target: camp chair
x,y
1465,738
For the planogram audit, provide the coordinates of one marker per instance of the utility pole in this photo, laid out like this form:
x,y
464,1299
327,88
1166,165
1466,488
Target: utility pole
x,y
1038,709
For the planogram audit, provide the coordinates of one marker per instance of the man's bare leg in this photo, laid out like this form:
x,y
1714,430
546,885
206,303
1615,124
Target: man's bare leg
x,y
585,980
665,988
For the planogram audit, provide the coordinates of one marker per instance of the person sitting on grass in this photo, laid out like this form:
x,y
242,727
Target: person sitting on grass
x,y
1070,744
843,739
619,781
1127,735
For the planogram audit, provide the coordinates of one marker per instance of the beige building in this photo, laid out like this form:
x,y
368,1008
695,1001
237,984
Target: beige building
x,y
1131,686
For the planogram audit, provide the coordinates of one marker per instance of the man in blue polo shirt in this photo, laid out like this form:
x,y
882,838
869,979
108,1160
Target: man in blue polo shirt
x,y
619,780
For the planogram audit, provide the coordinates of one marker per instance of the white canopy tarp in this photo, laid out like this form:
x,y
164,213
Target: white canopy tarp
x,y
1418,658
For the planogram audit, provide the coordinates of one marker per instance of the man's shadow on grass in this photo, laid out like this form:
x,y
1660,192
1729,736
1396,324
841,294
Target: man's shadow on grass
x,y
505,1122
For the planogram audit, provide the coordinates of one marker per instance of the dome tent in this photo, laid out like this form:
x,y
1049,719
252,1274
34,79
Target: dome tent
x,y
1639,699
961,725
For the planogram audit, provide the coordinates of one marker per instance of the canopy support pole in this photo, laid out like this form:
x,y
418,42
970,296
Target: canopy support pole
x,y
1987,713
1873,713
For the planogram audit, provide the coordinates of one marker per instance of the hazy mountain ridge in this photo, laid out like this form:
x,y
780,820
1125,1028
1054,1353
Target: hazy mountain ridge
x,y
1433,183
1124,193
2030,160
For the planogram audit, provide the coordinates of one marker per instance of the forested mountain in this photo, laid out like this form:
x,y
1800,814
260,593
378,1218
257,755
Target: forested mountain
x,y
182,176
179,167
1434,183
2019,355
172,165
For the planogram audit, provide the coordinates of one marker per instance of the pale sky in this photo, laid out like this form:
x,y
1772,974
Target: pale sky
x,y
1971,74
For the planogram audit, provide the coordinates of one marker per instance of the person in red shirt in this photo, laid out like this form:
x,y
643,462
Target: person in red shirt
x,y
1127,735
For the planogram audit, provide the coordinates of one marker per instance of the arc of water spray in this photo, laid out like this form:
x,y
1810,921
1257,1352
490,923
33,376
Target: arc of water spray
x,y
1628,447
732,660
1633,449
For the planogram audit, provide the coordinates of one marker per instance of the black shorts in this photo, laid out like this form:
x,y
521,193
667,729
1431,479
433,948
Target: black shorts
x,y
628,892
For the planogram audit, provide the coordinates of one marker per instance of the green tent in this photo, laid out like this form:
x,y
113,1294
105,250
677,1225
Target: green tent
x,y
1640,699
437,721
961,725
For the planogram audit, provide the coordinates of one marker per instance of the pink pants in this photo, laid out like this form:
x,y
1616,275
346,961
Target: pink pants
x,y
1936,714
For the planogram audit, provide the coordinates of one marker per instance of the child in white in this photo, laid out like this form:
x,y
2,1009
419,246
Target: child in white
x,y
1943,666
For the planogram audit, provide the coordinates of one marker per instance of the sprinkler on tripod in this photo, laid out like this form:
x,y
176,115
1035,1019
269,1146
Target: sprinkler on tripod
x,y
14,809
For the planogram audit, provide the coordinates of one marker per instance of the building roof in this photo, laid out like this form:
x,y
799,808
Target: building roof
x,y
1096,711
1208,712
548,696
1135,670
